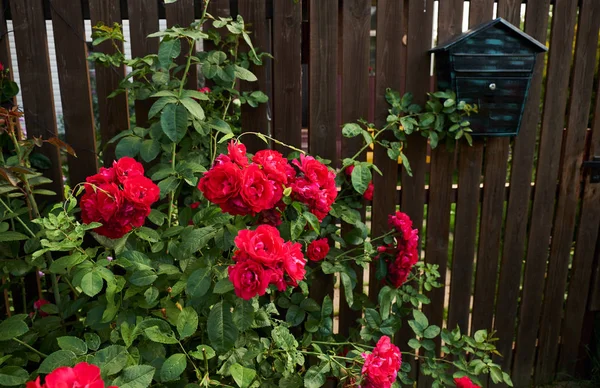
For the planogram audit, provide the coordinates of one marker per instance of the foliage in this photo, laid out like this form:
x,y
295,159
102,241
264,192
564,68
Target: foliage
x,y
159,306
443,119
8,88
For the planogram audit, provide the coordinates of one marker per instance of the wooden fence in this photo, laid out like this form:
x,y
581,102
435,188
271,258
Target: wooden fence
x,y
520,254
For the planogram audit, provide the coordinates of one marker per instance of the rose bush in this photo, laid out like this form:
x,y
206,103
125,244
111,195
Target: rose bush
x,y
196,268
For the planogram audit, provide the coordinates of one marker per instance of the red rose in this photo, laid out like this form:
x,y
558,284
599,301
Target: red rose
x,y
318,249
465,382
257,191
127,167
104,175
249,278
141,190
37,305
314,170
100,203
82,375
194,205
294,262
399,269
275,166
237,153
316,188
400,221
276,278
382,365
221,182
368,194
204,90
263,245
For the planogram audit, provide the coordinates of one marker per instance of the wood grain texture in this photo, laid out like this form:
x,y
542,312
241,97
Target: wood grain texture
x,y
587,234
31,44
322,114
492,209
563,24
440,184
356,17
73,74
389,67
182,14
470,160
515,232
113,112
287,73
143,20
256,119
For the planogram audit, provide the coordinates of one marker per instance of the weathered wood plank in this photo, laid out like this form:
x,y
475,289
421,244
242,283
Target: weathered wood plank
x,y
470,160
587,234
181,13
36,83
356,18
563,24
287,73
113,112
440,184
256,119
5,57
520,193
492,209
73,74
322,115
388,70
143,20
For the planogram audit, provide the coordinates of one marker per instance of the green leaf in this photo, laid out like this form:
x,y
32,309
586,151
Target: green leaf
x,y
12,236
167,51
414,343
74,344
496,374
351,130
192,240
242,376
313,221
347,283
168,185
155,334
220,125
173,121
143,277
297,227
160,104
361,176
148,234
111,359
173,367
314,377
13,375
203,351
13,327
221,330
295,315
421,319
243,314
92,283
149,150
187,322
92,340
223,286
56,360
198,283
244,74
137,376
431,332
128,146
193,107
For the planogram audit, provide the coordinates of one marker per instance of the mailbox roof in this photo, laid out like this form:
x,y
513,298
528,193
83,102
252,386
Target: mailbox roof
x,y
536,46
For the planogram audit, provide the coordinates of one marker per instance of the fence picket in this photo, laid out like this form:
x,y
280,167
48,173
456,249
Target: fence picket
x,y
182,14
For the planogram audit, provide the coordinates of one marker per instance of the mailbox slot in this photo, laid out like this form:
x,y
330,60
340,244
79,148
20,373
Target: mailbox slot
x,y
493,63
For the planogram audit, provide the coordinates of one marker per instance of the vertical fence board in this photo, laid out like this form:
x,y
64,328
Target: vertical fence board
x,y
143,20
73,74
36,82
580,281
440,183
569,190
492,209
536,22
322,116
467,205
255,119
356,19
287,73
182,14
563,25
114,112
217,8
388,70
5,57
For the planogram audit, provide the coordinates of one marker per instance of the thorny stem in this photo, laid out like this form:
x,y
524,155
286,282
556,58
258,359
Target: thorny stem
x,y
18,219
198,374
30,348
262,135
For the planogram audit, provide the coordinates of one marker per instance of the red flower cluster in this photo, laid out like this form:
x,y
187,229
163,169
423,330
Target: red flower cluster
x,y
315,186
465,382
37,306
82,375
241,187
119,197
263,258
402,255
382,365
318,249
368,194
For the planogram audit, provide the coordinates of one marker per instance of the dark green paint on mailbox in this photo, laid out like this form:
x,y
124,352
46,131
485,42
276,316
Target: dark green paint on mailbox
x,y
490,65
